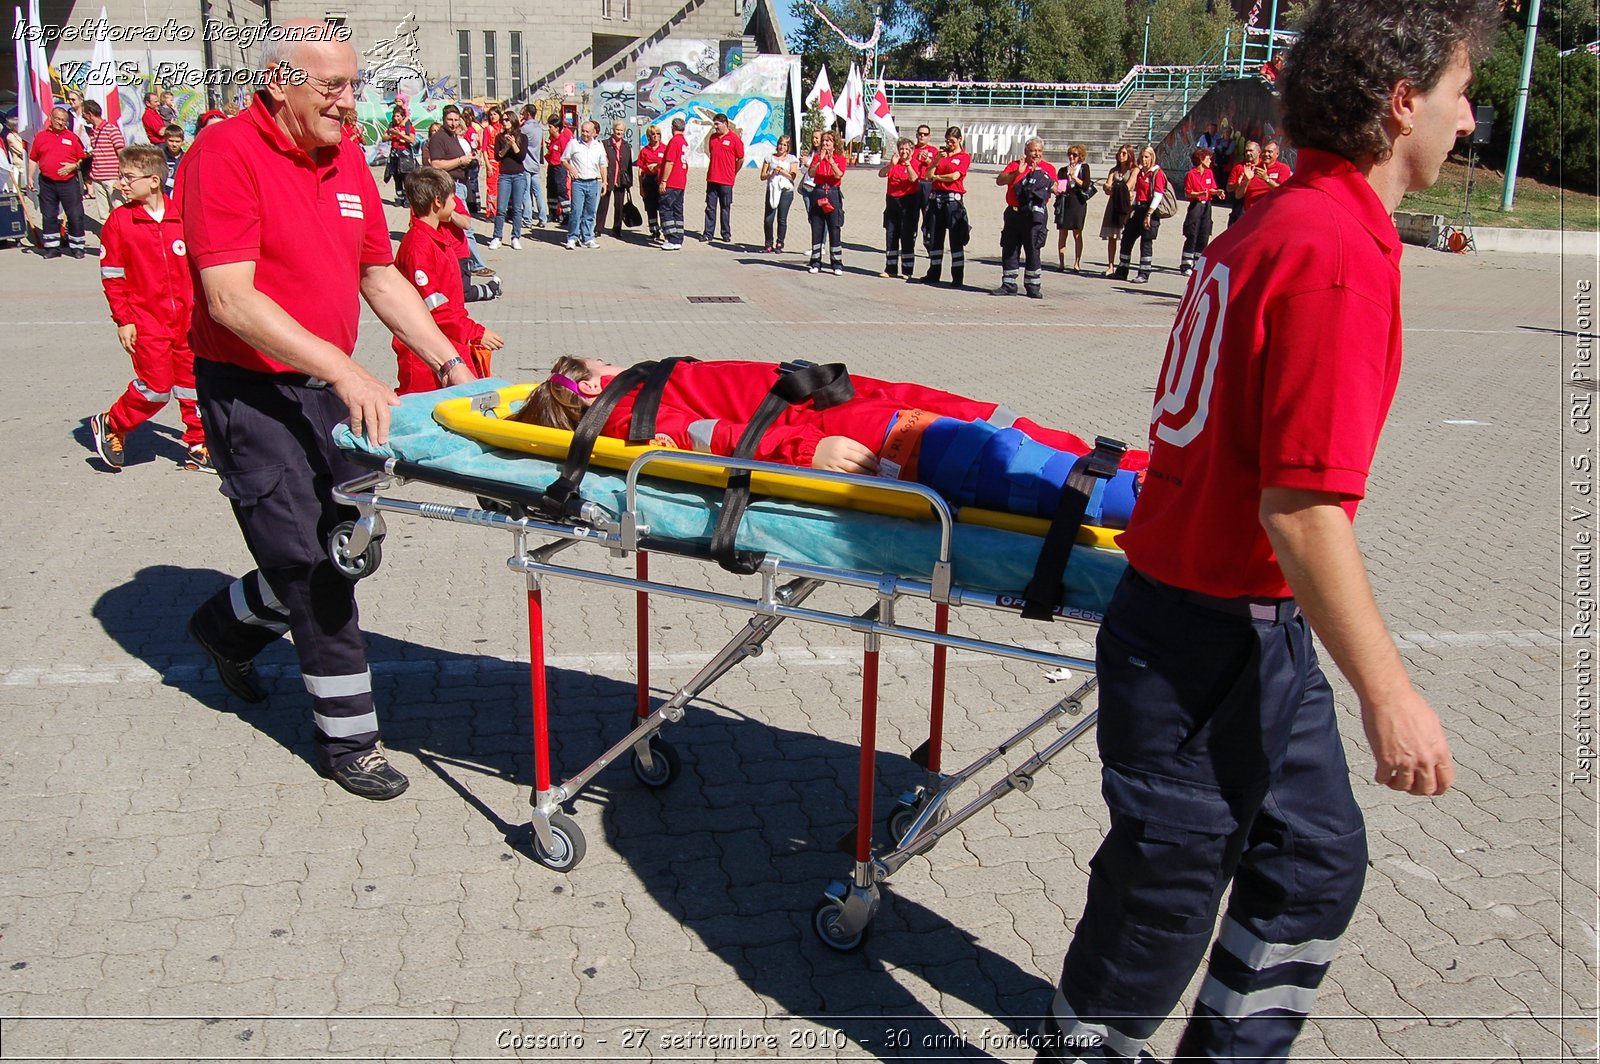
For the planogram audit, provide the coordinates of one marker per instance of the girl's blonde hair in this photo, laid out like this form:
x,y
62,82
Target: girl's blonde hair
x,y
553,405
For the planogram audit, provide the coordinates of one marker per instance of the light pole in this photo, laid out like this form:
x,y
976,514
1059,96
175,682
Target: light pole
x,y
1144,58
1508,194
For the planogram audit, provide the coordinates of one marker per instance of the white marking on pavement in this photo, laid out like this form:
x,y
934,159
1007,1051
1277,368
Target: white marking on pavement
x,y
462,665
1466,421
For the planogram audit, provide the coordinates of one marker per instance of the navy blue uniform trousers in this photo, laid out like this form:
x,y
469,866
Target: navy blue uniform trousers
x,y
1222,765
270,437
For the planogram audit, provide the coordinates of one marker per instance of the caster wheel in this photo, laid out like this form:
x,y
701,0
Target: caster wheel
x,y
566,845
664,768
903,817
825,921
359,567
900,822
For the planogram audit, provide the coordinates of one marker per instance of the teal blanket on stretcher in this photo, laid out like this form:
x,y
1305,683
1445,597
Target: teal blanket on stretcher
x,y
985,559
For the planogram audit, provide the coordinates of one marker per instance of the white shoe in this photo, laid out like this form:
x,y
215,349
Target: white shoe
x,y
570,245
495,242
838,271
590,244
812,269
671,247
516,243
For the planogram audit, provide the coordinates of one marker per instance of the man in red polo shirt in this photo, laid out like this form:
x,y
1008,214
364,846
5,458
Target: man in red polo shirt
x,y
674,181
286,236
1247,181
1276,171
1221,758
53,161
154,123
726,150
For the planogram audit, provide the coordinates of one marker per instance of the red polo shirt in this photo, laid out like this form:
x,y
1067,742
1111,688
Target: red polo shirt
x,y
1200,185
727,154
1279,374
903,180
308,222
650,159
677,148
53,150
959,164
1022,168
154,125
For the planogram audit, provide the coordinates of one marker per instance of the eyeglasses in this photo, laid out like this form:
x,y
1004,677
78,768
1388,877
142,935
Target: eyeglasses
x,y
128,179
333,88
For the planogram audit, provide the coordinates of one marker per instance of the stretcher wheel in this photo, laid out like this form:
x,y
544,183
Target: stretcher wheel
x,y
359,567
567,846
825,921
903,817
665,764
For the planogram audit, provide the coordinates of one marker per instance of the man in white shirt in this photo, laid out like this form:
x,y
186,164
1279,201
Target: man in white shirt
x,y
585,160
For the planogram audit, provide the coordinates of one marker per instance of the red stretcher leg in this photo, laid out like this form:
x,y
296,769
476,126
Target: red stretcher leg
x,y
869,753
541,695
941,625
641,622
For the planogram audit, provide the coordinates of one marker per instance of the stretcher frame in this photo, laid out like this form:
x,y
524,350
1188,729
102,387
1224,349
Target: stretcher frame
x,y
922,816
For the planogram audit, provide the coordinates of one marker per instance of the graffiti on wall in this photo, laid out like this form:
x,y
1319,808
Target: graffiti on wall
x,y
614,101
1242,110
754,96
671,72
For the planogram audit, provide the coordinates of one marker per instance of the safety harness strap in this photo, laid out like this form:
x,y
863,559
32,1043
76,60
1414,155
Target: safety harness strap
x,y
1043,593
825,385
561,499
642,426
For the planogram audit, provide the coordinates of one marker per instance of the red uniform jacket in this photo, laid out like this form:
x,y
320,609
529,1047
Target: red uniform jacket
x,y
427,258
144,268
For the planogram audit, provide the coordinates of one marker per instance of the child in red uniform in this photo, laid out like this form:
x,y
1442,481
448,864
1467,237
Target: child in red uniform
x,y
144,269
973,453
429,259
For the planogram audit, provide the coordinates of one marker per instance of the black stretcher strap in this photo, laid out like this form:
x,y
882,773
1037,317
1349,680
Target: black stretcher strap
x,y
825,385
642,426
1043,593
561,499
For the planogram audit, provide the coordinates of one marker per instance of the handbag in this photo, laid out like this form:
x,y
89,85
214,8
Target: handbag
x,y
1086,192
1165,204
631,216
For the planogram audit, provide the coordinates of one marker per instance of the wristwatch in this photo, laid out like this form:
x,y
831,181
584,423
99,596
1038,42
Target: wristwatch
x,y
443,372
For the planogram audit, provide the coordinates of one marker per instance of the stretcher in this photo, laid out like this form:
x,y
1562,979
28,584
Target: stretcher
x,y
842,530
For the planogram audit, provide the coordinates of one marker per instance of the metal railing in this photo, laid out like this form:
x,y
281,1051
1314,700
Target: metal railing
x,y
1236,55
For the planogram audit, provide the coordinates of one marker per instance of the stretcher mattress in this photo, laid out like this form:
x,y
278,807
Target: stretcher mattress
x,y
986,559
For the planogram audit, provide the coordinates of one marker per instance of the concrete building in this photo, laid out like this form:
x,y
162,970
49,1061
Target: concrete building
x,y
479,48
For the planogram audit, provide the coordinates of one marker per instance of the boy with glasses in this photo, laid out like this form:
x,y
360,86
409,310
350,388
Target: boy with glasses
x,y
144,269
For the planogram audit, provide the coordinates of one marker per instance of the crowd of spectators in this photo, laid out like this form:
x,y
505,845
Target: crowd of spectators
x,y
521,173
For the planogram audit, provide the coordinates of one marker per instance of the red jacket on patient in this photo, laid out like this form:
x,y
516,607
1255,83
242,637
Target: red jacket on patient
x,y
706,405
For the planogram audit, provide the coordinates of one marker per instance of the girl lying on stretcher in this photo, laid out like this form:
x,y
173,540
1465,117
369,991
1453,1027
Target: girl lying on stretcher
x,y
972,453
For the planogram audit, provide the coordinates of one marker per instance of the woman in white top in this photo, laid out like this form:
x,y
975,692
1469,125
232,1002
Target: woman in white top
x,y
779,172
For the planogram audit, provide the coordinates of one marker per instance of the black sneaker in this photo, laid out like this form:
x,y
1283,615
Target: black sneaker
x,y
107,444
239,677
370,775
50,253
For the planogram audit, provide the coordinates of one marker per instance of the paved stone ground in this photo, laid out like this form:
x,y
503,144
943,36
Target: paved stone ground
x,y
177,883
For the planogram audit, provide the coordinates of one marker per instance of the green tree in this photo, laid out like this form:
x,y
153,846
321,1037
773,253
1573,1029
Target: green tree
x,y
1559,140
1075,40
1182,31
819,45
